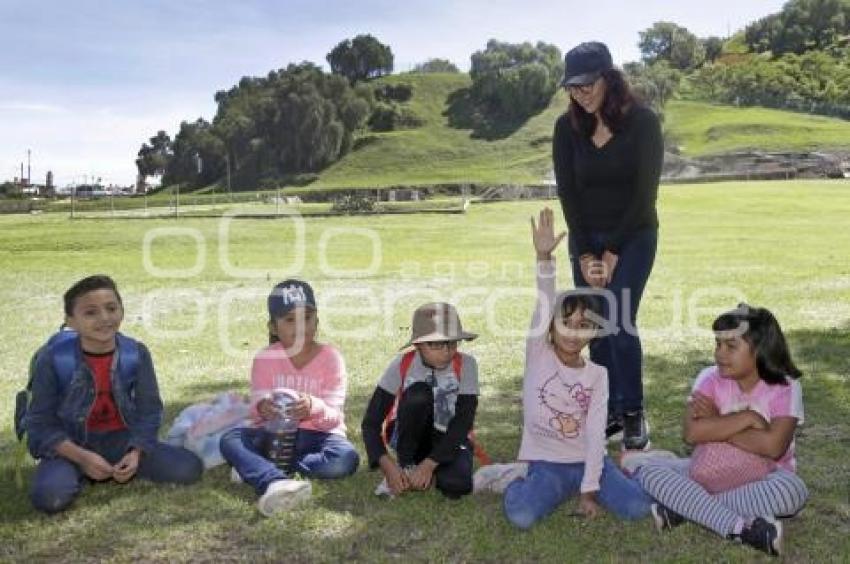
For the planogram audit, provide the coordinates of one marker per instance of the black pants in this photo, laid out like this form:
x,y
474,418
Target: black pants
x,y
416,436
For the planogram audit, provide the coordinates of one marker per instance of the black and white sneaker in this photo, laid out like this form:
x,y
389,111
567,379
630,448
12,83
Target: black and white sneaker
x,y
614,428
763,535
665,518
635,431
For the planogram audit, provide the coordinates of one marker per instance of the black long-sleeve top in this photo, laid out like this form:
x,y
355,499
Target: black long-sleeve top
x,y
443,451
613,188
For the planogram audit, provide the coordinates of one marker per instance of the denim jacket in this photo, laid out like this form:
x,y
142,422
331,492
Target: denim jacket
x,y
56,415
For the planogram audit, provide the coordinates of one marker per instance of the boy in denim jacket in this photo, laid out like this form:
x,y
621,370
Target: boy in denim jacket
x,y
102,422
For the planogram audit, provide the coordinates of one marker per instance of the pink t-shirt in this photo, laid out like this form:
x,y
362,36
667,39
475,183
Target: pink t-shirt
x,y
769,401
323,377
564,409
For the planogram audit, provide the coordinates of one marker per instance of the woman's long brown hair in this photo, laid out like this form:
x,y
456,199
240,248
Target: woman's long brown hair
x,y
619,99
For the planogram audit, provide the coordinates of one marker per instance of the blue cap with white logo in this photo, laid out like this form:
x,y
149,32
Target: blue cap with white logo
x,y
288,295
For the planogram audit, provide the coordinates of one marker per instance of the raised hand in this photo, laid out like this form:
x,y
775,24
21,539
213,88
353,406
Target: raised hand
x,y
543,234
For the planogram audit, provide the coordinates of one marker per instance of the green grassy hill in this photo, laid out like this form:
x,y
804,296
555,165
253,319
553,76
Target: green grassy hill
x,y
450,148
702,129
438,152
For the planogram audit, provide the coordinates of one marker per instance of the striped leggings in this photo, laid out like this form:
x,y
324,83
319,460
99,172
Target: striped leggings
x,y
780,494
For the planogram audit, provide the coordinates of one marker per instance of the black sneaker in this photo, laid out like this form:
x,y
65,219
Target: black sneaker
x,y
614,427
635,431
665,518
764,536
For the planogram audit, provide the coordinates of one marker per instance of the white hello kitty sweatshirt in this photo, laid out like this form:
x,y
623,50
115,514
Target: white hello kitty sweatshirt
x,y
564,409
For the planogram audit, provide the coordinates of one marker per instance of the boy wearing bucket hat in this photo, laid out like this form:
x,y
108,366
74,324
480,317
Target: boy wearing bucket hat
x,y
424,407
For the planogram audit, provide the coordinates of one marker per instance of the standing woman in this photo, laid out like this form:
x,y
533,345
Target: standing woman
x,y
607,151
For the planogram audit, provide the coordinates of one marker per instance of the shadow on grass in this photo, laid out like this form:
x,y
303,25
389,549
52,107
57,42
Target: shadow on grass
x,y
465,112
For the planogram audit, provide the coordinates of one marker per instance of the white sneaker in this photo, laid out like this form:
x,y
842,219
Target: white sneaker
x,y
495,478
284,494
384,490
234,476
631,460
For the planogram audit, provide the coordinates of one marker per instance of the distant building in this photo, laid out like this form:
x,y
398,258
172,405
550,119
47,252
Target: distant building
x,y
48,190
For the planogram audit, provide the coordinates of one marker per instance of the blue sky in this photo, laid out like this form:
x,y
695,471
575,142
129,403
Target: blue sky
x,y
85,82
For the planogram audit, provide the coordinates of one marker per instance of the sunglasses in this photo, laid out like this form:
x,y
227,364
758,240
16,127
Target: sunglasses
x,y
581,88
441,345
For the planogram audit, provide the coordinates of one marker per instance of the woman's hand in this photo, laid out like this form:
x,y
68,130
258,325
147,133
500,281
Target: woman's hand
x,y
127,466
588,506
609,259
592,270
397,480
543,234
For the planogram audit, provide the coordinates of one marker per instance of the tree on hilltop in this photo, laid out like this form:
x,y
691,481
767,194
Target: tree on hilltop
x,y
516,79
802,25
667,41
361,58
436,65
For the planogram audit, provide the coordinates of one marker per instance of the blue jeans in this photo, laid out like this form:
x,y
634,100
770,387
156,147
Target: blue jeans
x,y
317,455
548,484
621,352
58,481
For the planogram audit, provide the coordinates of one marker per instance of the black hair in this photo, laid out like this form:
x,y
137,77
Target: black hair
x,y
272,337
761,330
86,285
574,300
619,99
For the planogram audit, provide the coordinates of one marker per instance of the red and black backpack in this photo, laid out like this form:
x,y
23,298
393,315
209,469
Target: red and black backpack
x,y
390,418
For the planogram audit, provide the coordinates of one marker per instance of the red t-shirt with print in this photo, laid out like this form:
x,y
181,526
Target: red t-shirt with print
x,y
104,414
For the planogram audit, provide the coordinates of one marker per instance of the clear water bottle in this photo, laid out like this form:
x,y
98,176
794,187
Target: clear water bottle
x,y
280,436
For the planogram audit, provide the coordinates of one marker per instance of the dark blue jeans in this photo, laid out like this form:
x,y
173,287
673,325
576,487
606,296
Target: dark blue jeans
x,y
621,352
58,480
548,484
317,455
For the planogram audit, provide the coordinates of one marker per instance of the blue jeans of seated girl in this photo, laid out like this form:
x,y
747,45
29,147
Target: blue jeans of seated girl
x,y
548,484
58,481
317,455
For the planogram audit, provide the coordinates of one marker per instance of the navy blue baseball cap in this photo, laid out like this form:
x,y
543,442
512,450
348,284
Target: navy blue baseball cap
x,y
288,295
585,62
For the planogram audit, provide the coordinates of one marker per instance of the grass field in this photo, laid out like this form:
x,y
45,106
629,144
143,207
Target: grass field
x,y
782,245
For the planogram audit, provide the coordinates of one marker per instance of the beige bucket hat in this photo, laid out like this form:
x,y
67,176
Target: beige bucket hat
x,y
437,321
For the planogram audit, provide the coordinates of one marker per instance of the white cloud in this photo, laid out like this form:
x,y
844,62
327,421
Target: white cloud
x,y
31,107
